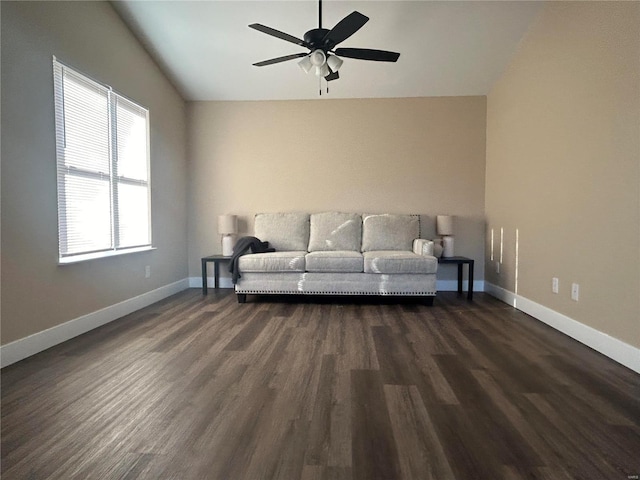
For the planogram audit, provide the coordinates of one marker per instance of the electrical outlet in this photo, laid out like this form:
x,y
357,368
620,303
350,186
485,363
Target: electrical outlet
x,y
147,271
555,285
575,291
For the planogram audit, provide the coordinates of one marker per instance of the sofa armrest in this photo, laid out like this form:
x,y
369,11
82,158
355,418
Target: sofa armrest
x,y
422,246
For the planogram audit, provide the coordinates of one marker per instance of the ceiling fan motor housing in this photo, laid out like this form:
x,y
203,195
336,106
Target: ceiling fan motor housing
x,y
315,39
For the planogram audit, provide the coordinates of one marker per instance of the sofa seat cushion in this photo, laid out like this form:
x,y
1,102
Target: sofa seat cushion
x,y
283,231
389,232
335,231
387,261
272,262
343,261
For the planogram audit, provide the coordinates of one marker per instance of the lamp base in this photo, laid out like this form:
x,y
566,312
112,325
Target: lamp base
x,y
447,246
227,245
437,247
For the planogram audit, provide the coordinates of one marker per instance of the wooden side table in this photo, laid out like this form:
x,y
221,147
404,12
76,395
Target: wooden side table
x,y
216,259
460,261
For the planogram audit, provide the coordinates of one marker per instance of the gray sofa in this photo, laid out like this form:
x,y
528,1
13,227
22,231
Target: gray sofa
x,y
335,253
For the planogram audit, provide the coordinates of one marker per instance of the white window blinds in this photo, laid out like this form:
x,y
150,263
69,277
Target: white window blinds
x,y
102,167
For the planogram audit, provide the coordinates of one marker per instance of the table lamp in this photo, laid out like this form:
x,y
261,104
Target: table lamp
x,y
227,227
444,227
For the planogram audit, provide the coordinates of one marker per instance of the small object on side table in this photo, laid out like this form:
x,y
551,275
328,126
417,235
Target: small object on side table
x,y
461,261
216,259
227,227
444,227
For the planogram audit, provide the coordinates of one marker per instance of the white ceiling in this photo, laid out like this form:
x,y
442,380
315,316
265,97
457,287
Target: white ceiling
x,y
447,47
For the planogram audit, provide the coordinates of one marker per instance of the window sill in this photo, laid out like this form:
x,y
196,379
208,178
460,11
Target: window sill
x,y
95,256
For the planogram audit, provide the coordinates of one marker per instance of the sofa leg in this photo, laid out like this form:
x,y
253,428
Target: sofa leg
x,y
242,298
428,301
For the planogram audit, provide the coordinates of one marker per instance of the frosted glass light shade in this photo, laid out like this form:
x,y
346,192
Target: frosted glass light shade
x,y
322,71
227,224
444,224
334,63
305,64
317,58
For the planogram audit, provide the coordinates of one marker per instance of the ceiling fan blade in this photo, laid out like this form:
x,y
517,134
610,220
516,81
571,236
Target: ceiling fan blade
x,y
332,76
367,54
345,28
278,34
279,59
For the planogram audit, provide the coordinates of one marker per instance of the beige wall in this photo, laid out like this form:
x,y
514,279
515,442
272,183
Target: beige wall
x,y
412,155
37,293
563,164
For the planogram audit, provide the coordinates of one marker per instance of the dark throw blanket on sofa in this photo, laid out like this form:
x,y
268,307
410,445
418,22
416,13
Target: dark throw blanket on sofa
x,y
243,246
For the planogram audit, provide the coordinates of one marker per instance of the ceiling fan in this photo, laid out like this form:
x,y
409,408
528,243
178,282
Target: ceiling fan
x,y
322,59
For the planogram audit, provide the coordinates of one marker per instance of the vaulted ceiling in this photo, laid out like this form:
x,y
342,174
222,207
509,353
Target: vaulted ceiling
x,y
447,47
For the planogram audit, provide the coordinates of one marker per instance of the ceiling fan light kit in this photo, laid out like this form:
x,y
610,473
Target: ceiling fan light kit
x,y
305,64
322,70
334,63
318,58
324,64
323,59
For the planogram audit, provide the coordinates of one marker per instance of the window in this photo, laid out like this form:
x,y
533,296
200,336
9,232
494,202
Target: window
x,y
102,145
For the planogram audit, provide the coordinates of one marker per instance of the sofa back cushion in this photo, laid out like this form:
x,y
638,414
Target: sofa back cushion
x,y
283,231
389,232
333,231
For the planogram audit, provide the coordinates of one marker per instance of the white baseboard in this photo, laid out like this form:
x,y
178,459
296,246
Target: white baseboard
x,y
224,282
607,345
27,346
441,285
500,293
452,285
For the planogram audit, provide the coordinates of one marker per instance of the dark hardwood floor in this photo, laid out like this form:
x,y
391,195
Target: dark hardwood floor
x,y
200,387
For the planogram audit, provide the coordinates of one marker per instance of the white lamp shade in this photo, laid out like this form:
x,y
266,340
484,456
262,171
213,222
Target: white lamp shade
x,y
227,224
322,71
444,224
317,58
334,63
305,64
